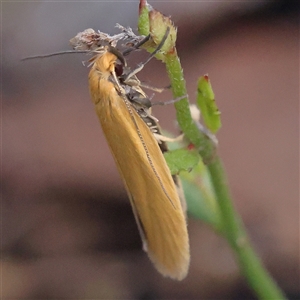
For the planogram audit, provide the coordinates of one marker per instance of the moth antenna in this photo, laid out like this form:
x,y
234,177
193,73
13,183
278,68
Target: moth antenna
x,y
56,53
141,66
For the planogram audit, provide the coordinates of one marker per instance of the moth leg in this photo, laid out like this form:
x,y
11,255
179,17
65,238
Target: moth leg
x,y
169,101
149,87
137,45
144,102
161,138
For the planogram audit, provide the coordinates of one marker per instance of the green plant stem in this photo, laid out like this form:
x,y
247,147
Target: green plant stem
x,y
233,229
251,266
183,114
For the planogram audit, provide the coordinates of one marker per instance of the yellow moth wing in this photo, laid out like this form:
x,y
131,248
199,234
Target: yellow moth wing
x,y
145,173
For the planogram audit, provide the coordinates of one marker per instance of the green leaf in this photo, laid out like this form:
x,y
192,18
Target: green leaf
x,y
181,160
206,103
200,196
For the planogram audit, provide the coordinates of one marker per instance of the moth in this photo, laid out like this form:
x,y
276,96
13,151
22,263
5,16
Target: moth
x,y
137,146
133,136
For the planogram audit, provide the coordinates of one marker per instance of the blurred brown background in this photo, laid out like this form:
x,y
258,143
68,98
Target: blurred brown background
x,y
67,227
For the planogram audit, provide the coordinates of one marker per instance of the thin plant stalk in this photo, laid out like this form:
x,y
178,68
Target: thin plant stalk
x,y
233,230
